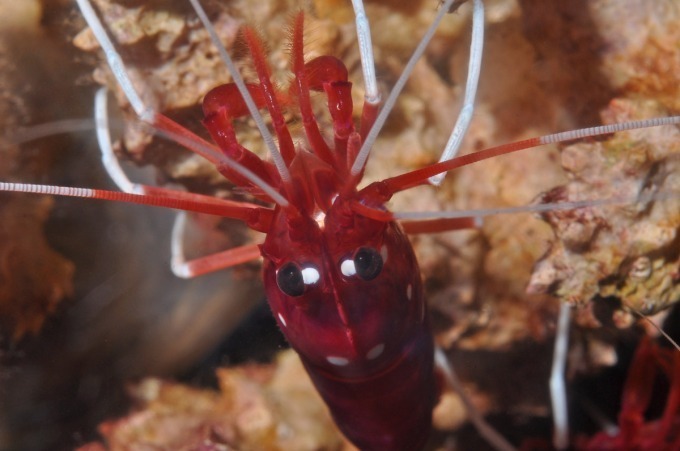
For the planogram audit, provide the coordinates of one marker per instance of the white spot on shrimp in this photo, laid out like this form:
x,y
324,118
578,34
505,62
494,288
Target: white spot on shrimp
x,y
375,351
347,268
310,276
384,254
337,361
320,219
409,291
283,321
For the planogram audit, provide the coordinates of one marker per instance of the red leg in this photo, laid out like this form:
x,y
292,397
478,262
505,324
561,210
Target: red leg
x,y
329,74
215,262
672,409
214,154
228,97
222,131
209,263
637,391
439,225
300,87
269,93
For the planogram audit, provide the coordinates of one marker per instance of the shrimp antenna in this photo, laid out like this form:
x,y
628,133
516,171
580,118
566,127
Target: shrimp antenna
x,y
198,145
474,67
653,324
109,160
558,391
480,214
142,195
115,62
372,95
163,125
182,201
489,434
245,94
421,176
362,156
33,132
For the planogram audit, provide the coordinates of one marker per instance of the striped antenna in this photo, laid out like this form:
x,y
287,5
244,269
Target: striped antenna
x,y
212,206
421,176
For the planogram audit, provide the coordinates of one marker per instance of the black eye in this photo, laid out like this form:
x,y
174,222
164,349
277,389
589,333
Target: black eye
x,y
368,263
289,279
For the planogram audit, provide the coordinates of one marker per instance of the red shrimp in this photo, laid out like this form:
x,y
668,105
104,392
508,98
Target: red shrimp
x,y
344,287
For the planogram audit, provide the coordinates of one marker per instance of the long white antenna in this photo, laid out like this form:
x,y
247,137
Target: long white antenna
x,y
115,62
277,158
177,258
372,94
474,67
538,208
109,159
558,391
606,129
30,133
362,156
489,434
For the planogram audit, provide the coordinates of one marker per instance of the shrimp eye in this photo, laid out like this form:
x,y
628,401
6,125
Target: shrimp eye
x,y
368,263
289,279
293,280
